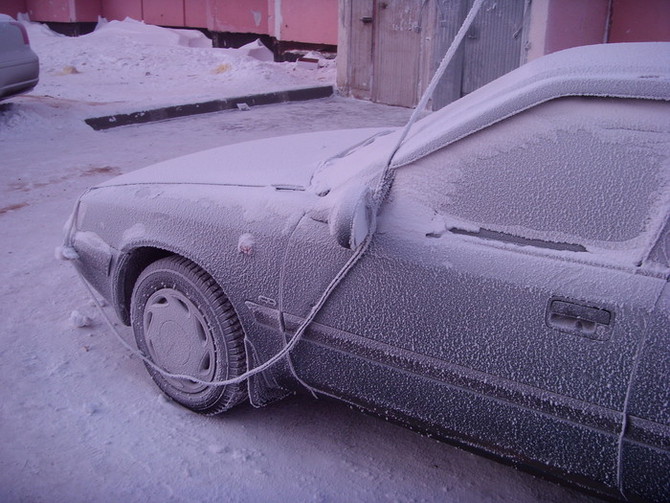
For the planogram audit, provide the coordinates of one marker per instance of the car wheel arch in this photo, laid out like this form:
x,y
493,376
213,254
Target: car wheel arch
x,y
133,260
130,265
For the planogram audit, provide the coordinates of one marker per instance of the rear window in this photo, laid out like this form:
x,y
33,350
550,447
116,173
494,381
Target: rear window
x,y
11,36
579,174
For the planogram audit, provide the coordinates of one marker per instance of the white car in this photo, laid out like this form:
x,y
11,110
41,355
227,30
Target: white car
x,y
19,65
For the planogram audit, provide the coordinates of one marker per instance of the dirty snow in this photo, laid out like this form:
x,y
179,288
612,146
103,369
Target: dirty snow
x,y
80,420
246,244
123,64
79,320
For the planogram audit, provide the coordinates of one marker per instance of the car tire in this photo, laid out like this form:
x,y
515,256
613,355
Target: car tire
x,y
184,323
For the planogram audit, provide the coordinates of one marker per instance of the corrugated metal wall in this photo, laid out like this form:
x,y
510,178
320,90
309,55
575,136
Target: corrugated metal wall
x,y
360,16
397,51
449,15
394,46
303,21
493,45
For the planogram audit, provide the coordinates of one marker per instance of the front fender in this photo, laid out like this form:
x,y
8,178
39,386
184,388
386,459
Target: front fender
x,y
241,245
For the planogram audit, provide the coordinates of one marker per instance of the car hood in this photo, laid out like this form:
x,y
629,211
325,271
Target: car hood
x,y
286,161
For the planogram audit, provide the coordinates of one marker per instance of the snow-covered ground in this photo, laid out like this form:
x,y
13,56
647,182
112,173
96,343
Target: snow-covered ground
x,y
126,66
80,420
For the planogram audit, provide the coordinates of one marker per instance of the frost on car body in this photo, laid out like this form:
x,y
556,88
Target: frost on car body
x,y
514,297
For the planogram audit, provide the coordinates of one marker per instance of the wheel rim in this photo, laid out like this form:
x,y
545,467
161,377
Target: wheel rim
x,y
178,339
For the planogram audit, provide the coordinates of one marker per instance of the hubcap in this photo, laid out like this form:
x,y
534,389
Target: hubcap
x,y
178,339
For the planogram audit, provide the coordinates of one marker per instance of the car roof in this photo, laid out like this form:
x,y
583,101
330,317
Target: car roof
x,y
627,70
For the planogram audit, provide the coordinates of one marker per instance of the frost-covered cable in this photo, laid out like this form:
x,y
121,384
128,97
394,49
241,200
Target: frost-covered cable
x,y
386,176
378,198
282,326
624,415
380,195
256,370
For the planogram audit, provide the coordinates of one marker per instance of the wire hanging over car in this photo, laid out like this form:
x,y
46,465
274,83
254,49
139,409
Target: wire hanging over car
x,y
384,184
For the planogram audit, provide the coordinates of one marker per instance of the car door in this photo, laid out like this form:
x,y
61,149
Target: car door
x,y
503,299
645,448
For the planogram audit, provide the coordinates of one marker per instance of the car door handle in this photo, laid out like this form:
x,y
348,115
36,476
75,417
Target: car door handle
x,y
576,318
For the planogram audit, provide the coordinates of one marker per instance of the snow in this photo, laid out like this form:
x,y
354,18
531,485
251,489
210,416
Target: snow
x,y
65,253
280,161
126,64
246,244
565,161
635,70
79,320
80,420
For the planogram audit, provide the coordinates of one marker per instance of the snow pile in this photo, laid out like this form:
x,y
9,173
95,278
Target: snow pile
x,y
147,66
79,320
257,50
246,244
140,33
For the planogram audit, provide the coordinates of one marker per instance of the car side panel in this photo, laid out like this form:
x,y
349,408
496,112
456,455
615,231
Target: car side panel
x,y
646,448
473,309
473,420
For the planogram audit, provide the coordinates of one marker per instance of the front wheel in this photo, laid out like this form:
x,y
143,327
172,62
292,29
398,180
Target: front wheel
x,y
184,323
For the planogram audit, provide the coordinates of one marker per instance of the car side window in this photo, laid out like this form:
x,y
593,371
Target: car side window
x,y
574,174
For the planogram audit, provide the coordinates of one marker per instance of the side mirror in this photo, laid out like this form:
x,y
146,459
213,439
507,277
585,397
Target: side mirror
x,y
352,219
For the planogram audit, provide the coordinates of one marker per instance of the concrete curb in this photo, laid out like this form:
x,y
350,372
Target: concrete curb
x,y
171,112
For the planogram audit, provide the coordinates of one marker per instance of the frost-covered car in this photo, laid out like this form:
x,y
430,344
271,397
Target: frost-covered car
x,y
510,294
19,65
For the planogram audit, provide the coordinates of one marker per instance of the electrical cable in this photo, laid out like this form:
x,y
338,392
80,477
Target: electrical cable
x,y
379,195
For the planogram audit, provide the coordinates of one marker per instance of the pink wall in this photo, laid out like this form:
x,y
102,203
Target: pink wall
x,y
164,12
575,22
308,21
64,11
249,16
121,9
86,10
568,22
195,13
53,11
12,7
636,21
